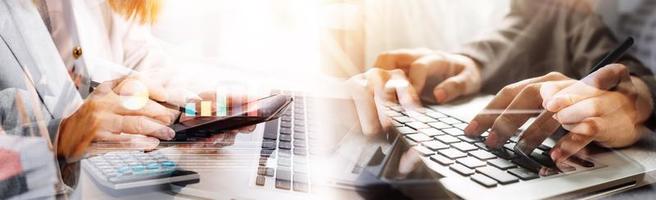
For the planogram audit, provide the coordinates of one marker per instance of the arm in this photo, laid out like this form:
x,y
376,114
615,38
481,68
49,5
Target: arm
x,y
538,37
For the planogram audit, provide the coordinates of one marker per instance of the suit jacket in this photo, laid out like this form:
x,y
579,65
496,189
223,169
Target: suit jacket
x,y
538,37
36,92
541,36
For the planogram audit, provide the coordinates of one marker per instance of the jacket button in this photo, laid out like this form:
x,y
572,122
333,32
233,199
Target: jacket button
x,y
77,52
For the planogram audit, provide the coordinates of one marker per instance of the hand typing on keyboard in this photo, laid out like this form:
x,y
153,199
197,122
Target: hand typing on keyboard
x,y
610,118
406,76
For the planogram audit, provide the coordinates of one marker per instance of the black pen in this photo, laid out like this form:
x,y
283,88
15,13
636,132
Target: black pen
x,y
527,147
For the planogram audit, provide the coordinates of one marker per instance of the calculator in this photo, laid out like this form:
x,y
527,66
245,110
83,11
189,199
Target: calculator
x,y
132,169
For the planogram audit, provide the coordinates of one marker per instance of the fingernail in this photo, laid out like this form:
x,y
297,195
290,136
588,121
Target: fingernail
x,y
556,154
491,140
171,133
440,95
550,105
471,128
555,116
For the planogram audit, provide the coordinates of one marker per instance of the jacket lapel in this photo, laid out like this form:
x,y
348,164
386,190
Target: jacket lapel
x,y
29,40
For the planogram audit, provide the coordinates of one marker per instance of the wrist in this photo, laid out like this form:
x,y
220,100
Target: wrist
x,y
644,103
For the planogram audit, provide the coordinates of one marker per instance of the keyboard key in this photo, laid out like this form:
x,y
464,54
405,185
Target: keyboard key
x,y
498,175
485,134
268,144
396,124
441,159
285,153
419,137
544,148
260,180
285,145
453,131
284,162
423,150
414,113
299,143
509,146
299,136
393,114
435,145
286,124
300,187
447,139
501,163
544,160
424,118
282,184
300,177
483,180
471,162
450,120
463,146
503,153
481,154
468,139
417,125
439,125
285,131
284,175
397,108
262,170
452,153
434,114
402,119
431,132
271,130
266,152
523,174
300,151
405,130
299,168
481,145
286,138
461,126
462,170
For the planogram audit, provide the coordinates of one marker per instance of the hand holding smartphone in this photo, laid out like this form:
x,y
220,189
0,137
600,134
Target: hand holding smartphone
x,y
266,109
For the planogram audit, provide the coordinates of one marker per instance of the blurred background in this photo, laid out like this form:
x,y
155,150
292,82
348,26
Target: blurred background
x,y
343,37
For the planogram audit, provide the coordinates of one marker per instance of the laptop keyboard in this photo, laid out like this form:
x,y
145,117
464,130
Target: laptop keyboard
x,y
441,138
284,154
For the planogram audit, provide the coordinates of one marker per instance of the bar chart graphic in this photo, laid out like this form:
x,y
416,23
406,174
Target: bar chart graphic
x,y
190,109
205,108
229,100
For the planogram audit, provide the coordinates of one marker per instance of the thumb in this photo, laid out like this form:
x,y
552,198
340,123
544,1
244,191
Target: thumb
x,y
451,88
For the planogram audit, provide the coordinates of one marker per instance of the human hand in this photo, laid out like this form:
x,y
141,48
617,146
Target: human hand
x,y
114,108
585,108
402,75
606,107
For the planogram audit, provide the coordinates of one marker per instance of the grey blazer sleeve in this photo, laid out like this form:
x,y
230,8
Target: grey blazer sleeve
x,y
538,37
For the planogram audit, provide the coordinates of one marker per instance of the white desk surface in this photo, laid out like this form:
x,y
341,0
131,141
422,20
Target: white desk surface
x,y
644,152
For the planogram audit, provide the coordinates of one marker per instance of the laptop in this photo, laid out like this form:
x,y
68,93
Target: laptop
x,y
316,150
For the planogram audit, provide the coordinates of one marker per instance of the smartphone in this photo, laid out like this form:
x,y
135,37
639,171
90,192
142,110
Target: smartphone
x,y
261,110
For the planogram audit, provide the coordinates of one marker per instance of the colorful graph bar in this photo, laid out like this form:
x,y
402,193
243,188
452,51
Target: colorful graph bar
x,y
221,102
190,109
205,108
